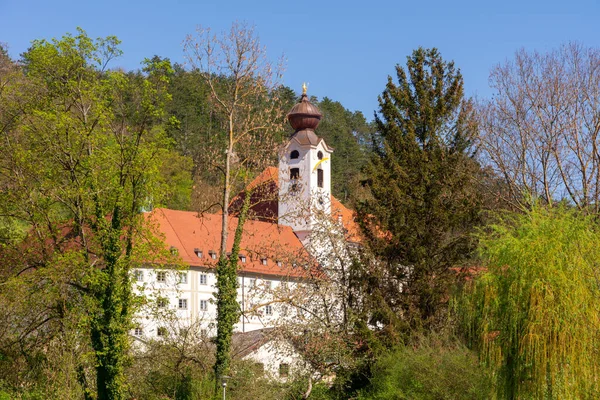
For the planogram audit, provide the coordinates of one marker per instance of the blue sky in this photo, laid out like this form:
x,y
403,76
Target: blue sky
x,y
344,50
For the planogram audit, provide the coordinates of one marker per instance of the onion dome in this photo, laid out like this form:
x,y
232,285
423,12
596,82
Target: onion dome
x,y
304,115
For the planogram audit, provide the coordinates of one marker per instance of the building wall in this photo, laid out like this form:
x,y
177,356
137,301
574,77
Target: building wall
x,y
298,209
256,295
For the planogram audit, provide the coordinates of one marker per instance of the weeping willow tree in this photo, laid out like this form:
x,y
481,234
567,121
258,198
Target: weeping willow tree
x,y
534,314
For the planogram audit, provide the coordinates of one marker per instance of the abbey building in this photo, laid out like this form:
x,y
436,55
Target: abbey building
x,y
291,204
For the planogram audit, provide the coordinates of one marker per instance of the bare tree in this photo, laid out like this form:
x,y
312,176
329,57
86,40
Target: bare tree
x,y
242,84
540,130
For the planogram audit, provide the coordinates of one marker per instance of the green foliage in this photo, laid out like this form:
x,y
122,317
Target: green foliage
x,y
86,155
533,314
433,369
423,202
228,311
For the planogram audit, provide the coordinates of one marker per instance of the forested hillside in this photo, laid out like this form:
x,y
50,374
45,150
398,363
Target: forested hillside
x,y
197,129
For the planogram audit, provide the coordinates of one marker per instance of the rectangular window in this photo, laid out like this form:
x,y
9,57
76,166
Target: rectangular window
x,y
183,277
204,305
268,310
203,279
268,284
138,331
284,370
279,264
161,302
263,261
139,275
243,258
198,253
251,283
183,304
320,178
213,255
161,331
161,276
294,173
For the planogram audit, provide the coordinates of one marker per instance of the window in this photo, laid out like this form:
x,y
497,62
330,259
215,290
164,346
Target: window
x,y
139,275
203,305
279,264
263,261
198,252
294,154
251,283
183,304
213,254
203,279
138,331
162,331
243,258
268,310
294,176
268,284
284,370
320,155
294,173
320,178
161,276
161,302
183,277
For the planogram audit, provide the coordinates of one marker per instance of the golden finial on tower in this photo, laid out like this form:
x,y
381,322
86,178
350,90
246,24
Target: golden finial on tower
x,y
304,87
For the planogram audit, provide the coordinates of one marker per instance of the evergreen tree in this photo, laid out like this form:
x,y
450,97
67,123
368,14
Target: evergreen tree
x,y
422,205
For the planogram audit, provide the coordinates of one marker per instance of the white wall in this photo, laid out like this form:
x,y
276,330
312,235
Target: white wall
x,y
255,293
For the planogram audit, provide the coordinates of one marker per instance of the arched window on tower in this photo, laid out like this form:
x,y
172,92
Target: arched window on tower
x,y
294,154
320,178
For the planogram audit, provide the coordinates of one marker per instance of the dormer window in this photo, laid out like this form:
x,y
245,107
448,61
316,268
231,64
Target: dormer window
x,y
294,154
320,178
263,261
242,258
213,254
198,252
279,264
320,155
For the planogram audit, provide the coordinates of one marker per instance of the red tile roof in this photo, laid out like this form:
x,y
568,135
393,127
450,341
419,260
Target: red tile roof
x,y
187,231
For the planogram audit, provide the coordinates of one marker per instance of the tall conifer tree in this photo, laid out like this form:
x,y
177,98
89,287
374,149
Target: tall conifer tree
x,y
422,204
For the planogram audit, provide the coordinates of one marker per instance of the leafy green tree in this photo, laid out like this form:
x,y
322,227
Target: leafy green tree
x,y
82,162
435,368
533,312
422,206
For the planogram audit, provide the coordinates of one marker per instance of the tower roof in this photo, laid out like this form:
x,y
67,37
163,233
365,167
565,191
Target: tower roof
x,y
304,115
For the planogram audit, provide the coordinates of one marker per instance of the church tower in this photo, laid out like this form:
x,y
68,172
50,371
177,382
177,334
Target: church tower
x,y
304,172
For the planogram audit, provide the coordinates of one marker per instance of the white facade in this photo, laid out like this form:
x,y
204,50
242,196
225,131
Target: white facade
x,y
304,186
176,299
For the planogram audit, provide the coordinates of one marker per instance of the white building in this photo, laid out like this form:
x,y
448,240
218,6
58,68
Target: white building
x,y
277,255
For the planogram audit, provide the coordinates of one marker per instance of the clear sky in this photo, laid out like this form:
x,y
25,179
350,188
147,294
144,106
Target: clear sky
x,y
344,50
